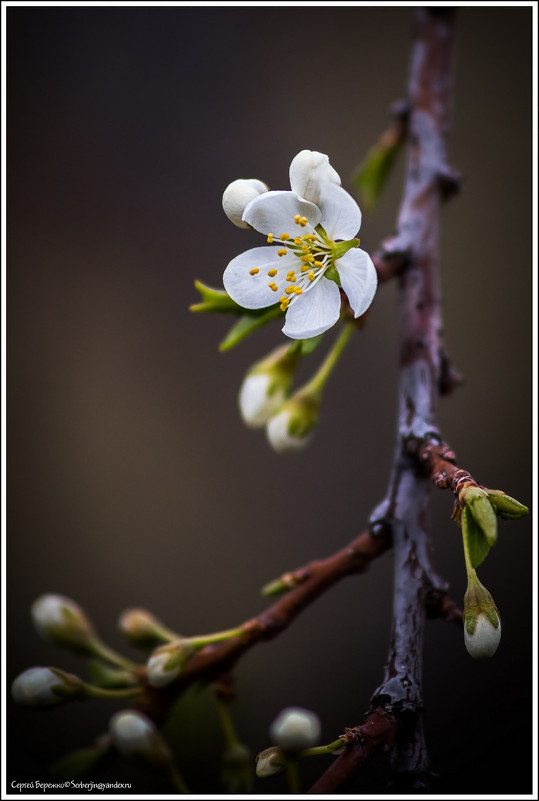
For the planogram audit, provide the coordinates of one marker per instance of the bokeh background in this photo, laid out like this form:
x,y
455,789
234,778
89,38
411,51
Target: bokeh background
x,y
132,481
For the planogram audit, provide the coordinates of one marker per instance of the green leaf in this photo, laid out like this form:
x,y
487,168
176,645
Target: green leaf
x,y
372,173
215,300
475,541
247,324
506,507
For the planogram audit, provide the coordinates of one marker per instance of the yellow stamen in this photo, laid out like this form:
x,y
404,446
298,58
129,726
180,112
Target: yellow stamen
x,y
281,252
291,277
318,264
311,275
289,290
273,286
284,237
270,238
297,241
305,249
298,290
284,305
297,219
303,221
272,273
283,299
254,271
305,267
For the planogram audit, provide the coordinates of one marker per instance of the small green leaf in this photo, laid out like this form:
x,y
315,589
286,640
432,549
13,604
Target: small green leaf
x,y
475,541
215,300
372,173
505,506
247,324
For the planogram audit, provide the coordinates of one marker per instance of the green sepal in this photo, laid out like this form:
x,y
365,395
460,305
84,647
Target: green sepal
x,y
506,507
80,762
308,345
371,175
475,541
109,678
215,300
340,248
247,324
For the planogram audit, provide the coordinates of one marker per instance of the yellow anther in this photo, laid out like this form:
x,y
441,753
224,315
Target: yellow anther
x,y
308,257
283,298
270,238
318,264
273,286
291,277
284,237
309,237
289,290
305,249
297,219
297,241
281,252
272,273
284,305
254,271
305,267
298,290
303,221
311,275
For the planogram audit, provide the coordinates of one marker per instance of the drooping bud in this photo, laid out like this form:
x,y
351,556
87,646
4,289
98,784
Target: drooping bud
x,y
143,629
61,621
295,729
270,762
288,430
237,769
267,385
135,735
167,662
482,624
43,686
238,195
308,170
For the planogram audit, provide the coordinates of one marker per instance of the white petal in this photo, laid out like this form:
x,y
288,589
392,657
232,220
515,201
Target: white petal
x,y
274,212
307,171
341,216
238,195
358,279
257,403
279,438
313,312
253,291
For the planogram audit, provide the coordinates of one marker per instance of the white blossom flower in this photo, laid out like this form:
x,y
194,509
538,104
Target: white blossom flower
x,y
309,240
295,729
237,195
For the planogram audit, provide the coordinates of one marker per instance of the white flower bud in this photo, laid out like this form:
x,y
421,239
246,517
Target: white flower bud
x,y
135,735
62,621
266,386
269,763
40,686
289,429
237,195
167,662
141,627
295,729
483,642
308,170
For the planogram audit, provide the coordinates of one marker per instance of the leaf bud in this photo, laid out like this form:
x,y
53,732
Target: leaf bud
x,y
238,195
266,386
167,662
482,624
295,729
43,686
135,735
308,170
505,506
288,430
270,762
61,621
480,506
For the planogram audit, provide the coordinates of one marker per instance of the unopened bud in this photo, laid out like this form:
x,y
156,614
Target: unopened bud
x,y
238,195
270,763
135,735
482,624
308,170
167,662
63,622
141,628
480,506
289,429
295,729
43,686
266,386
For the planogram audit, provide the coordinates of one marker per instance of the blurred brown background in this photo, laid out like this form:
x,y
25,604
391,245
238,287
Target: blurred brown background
x,y
132,481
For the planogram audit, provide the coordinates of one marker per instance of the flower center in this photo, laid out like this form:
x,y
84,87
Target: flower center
x,y
313,254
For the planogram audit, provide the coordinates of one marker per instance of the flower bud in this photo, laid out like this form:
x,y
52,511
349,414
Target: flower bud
x,y
267,385
43,686
289,429
482,624
63,622
295,729
167,662
269,763
141,628
237,195
135,735
308,170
